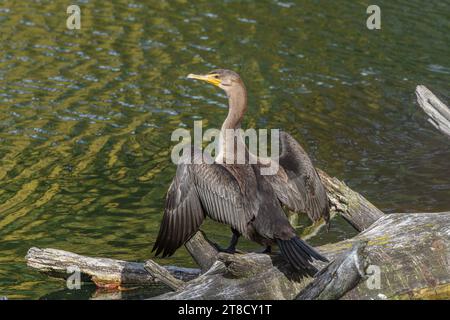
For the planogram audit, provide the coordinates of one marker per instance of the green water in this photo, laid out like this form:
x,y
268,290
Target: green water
x,y
86,115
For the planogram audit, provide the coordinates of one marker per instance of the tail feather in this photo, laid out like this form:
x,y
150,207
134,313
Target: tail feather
x,y
310,250
300,255
289,252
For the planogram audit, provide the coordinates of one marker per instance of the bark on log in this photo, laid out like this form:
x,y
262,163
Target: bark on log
x,y
438,112
408,254
243,276
411,252
339,277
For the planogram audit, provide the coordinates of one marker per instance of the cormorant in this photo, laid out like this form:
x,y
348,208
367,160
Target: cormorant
x,y
240,196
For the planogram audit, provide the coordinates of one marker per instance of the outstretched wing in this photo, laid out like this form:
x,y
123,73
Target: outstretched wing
x,y
205,189
297,183
183,213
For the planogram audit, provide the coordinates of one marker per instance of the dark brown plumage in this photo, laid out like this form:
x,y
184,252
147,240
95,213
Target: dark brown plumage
x,y
240,196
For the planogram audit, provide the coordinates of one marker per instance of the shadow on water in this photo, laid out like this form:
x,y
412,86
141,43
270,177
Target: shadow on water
x,y
88,290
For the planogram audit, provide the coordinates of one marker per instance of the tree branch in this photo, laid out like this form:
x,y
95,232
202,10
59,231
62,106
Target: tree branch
x,y
163,275
202,251
438,112
352,206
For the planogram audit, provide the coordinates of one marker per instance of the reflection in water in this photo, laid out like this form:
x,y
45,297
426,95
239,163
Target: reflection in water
x,y
86,116
89,291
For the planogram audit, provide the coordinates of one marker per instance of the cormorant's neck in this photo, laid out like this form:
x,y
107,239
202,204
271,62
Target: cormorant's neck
x,y
237,105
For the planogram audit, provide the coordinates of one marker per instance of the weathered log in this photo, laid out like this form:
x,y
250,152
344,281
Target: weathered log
x,y
339,277
408,256
104,272
352,206
411,252
438,112
243,276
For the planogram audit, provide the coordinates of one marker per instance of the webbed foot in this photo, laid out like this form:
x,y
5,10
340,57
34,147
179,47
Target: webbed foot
x,y
267,250
230,250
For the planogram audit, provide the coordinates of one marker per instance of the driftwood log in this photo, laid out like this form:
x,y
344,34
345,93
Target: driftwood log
x,y
104,272
438,112
404,256
339,277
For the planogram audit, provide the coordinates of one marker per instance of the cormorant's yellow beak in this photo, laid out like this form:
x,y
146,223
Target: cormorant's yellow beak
x,y
210,78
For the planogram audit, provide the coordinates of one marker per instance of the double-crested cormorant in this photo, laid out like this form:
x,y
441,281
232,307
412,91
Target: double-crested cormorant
x,y
240,196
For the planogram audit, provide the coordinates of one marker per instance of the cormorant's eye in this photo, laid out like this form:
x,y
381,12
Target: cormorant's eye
x,y
216,76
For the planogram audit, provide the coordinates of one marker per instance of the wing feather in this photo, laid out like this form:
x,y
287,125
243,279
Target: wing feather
x,y
224,198
297,184
183,213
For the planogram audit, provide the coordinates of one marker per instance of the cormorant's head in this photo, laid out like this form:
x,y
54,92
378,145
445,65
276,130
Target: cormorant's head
x,y
225,79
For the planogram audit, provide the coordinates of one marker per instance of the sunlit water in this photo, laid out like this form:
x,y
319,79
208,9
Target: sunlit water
x,y
86,115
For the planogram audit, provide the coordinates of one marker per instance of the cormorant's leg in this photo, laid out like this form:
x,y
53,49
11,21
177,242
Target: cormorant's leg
x,y
234,240
267,250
